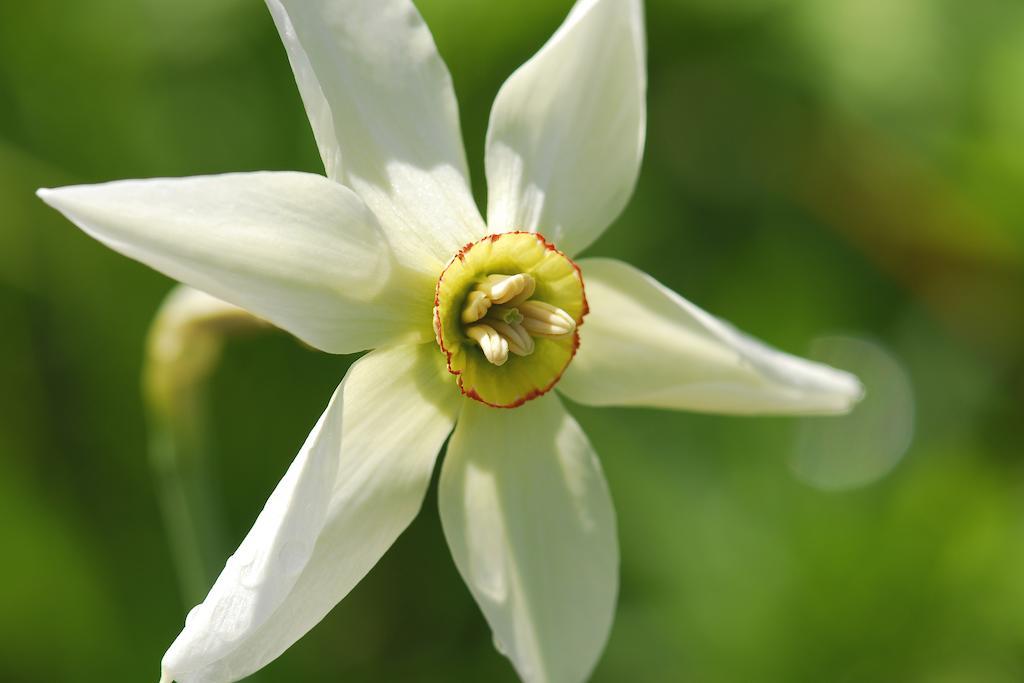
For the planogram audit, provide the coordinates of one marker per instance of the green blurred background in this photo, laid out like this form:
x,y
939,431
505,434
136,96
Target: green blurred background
x,y
842,178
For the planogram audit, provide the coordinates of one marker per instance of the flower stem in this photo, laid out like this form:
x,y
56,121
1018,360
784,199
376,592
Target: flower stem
x,y
179,456
182,352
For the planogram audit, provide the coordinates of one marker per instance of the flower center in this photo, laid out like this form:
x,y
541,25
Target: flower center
x,y
501,318
506,310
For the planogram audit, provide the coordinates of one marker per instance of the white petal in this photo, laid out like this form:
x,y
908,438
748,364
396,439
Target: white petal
x,y
296,249
354,487
567,129
385,118
644,345
531,527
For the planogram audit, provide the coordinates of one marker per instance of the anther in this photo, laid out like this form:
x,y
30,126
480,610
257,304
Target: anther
x,y
477,304
519,340
528,289
504,289
494,346
501,318
544,320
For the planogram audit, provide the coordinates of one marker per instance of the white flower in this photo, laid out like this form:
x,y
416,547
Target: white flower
x,y
354,260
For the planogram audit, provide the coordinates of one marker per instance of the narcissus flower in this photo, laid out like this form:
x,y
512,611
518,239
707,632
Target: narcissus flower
x,y
389,252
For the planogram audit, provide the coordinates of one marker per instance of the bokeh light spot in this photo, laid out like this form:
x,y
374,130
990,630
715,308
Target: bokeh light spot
x,y
848,451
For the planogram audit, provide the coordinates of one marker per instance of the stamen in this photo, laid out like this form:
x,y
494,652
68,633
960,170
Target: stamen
x,y
527,292
502,289
502,319
477,304
544,320
519,340
494,346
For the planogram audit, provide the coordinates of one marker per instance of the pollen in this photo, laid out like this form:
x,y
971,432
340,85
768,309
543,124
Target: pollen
x,y
506,313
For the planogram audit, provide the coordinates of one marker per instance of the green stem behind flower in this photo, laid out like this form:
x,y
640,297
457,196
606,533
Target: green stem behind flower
x,y
179,455
183,349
